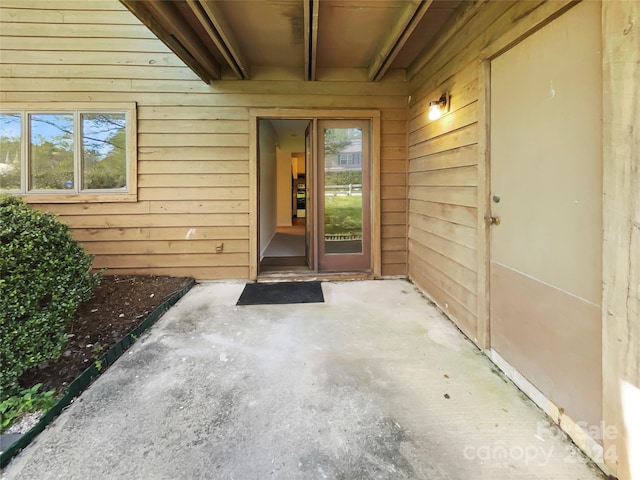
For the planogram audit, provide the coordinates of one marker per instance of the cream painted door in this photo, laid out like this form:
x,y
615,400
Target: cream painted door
x,y
546,189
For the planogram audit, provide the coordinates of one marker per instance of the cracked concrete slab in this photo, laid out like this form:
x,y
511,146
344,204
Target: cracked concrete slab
x,y
373,383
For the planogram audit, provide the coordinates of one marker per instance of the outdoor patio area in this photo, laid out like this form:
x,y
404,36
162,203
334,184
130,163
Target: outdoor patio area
x,y
373,383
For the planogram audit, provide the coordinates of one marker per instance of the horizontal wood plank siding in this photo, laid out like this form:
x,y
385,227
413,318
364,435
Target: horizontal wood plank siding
x,y
193,138
443,178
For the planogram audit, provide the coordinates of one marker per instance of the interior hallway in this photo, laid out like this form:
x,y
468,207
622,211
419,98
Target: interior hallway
x,y
286,251
373,383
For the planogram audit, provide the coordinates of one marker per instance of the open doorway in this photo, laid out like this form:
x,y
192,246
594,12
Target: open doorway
x,y
283,195
316,193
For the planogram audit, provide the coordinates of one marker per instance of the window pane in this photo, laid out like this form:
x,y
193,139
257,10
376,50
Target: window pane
x,y
51,151
104,150
10,136
343,190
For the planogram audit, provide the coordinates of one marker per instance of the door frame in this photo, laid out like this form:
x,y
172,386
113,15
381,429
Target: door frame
x,y
310,147
373,116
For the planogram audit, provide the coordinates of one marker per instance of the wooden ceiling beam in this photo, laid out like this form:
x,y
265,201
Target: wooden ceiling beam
x,y
183,31
209,15
311,8
166,22
391,45
458,19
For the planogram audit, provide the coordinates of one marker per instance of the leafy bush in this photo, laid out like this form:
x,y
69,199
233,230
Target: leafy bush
x,y
29,400
44,276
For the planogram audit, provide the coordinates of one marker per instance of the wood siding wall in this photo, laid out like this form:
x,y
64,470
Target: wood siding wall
x,y
445,179
621,253
193,151
447,189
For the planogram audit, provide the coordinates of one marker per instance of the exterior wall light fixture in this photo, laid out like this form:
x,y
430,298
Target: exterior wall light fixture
x,y
437,107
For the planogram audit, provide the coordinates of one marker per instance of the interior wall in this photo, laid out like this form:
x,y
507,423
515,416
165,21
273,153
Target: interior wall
x,y
268,186
193,138
284,213
287,146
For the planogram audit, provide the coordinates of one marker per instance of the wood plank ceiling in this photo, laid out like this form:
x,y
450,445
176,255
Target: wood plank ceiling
x,y
363,39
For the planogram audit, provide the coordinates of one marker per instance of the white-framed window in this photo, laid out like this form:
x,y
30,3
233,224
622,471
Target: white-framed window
x,y
350,159
61,152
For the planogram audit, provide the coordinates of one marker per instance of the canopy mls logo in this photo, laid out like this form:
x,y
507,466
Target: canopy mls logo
x,y
501,454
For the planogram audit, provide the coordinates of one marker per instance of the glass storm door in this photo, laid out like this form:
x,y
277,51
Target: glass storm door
x,y
344,213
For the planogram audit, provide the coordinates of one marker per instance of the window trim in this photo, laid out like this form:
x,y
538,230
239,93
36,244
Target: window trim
x,y
129,194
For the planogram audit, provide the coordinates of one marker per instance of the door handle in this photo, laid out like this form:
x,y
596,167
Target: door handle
x,y
492,220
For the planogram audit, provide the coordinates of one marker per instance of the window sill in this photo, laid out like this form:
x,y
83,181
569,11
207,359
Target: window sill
x,y
80,198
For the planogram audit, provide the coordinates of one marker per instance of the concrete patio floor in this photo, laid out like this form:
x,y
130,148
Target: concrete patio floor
x,y
374,383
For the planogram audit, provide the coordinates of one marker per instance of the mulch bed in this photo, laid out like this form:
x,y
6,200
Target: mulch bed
x,y
118,305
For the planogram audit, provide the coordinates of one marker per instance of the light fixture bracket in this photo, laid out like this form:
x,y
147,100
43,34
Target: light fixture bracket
x,y
438,107
442,102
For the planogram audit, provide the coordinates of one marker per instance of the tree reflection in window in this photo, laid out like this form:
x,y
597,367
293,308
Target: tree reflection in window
x,y
104,157
10,151
51,151
66,151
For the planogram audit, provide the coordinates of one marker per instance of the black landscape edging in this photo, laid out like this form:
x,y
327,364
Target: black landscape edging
x,y
85,378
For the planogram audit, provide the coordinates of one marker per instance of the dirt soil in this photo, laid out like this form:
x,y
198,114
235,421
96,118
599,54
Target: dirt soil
x,y
118,305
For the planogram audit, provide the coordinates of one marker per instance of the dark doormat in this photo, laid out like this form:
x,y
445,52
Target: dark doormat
x,y
281,293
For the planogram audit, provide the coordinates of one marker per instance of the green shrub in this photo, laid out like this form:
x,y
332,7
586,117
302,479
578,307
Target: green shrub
x,y
28,400
44,276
